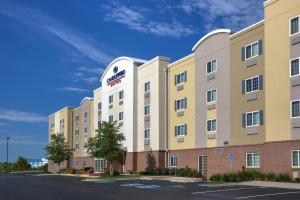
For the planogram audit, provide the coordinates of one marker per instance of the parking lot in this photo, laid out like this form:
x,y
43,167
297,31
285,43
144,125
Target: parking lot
x,y
33,186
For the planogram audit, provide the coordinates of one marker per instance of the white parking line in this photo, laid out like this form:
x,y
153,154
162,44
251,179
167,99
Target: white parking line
x,y
234,189
265,195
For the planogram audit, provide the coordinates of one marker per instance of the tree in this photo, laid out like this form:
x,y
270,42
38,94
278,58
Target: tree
x,y
22,164
106,144
58,149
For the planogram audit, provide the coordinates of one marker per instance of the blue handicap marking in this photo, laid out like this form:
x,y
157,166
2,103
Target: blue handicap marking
x,y
131,185
231,157
150,187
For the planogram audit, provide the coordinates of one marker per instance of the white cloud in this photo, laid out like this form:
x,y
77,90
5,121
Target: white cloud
x,y
88,75
50,28
72,89
20,116
136,20
233,14
93,70
22,139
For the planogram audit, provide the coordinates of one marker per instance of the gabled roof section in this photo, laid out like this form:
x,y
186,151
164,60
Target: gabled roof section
x,y
86,98
209,35
133,60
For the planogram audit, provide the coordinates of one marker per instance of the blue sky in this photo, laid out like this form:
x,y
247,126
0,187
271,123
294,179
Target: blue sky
x,y
53,54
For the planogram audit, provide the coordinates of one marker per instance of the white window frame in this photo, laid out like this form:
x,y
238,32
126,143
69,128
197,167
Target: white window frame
x,y
253,153
111,117
251,85
121,92
207,125
147,129
77,145
176,75
148,88
292,159
112,98
172,157
181,99
122,116
181,125
214,101
290,25
291,67
211,62
251,44
256,111
291,111
149,110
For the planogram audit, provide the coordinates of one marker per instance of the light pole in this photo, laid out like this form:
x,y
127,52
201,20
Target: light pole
x,y
7,138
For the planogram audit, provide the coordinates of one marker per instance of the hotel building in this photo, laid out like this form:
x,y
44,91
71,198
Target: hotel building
x,y
233,103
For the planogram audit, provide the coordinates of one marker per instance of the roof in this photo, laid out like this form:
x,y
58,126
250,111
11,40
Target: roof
x,y
86,98
209,35
133,60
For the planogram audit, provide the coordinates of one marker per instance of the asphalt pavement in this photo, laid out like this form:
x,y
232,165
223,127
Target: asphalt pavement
x,y
31,186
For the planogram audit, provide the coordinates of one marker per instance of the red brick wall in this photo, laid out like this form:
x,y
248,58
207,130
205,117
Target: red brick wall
x,y
90,162
142,164
274,157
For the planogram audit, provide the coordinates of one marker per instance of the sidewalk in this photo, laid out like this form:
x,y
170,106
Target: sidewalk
x,y
272,184
172,179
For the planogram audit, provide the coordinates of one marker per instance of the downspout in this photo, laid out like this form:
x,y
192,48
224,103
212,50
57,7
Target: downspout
x,y
166,116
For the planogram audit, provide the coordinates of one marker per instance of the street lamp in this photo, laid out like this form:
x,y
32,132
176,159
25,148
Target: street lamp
x,y
7,138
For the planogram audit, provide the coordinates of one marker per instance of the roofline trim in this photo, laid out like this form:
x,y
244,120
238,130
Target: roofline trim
x,y
209,35
247,28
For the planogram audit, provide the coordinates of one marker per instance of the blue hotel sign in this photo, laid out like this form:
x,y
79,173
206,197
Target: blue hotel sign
x,y
116,78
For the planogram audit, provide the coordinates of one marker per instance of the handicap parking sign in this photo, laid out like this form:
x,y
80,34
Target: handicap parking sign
x,y
231,157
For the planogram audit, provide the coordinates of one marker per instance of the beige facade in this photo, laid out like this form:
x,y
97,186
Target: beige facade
x,y
182,94
280,48
246,102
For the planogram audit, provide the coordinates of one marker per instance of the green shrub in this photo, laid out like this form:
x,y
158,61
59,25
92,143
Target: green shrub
x,y
283,178
165,171
270,177
216,178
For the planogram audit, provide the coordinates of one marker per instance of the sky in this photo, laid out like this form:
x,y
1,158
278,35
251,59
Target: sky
x,y
52,52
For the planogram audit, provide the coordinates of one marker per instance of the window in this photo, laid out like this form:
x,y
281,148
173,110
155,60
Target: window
x,y
77,132
253,160
100,165
77,146
252,84
180,104
180,78
121,116
211,66
121,95
296,158
294,25
85,129
147,87
181,130
294,64
77,118
52,125
295,107
252,50
147,133
111,119
211,96
85,115
62,121
99,106
110,99
252,119
211,125
147,110
173,161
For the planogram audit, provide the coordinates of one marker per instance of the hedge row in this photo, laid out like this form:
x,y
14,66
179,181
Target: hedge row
x,y
183,172
250,175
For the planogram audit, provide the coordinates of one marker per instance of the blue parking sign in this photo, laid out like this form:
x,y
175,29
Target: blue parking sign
x,y
231,157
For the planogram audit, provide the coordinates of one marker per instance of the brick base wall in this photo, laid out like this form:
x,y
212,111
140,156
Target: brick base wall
x,y
274,157
82,162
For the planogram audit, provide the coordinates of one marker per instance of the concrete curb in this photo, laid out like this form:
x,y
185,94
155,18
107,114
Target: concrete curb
x,y
272,184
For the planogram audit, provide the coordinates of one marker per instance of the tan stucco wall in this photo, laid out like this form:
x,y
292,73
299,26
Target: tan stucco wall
x,y
186,64
239,72
277,16
152,71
